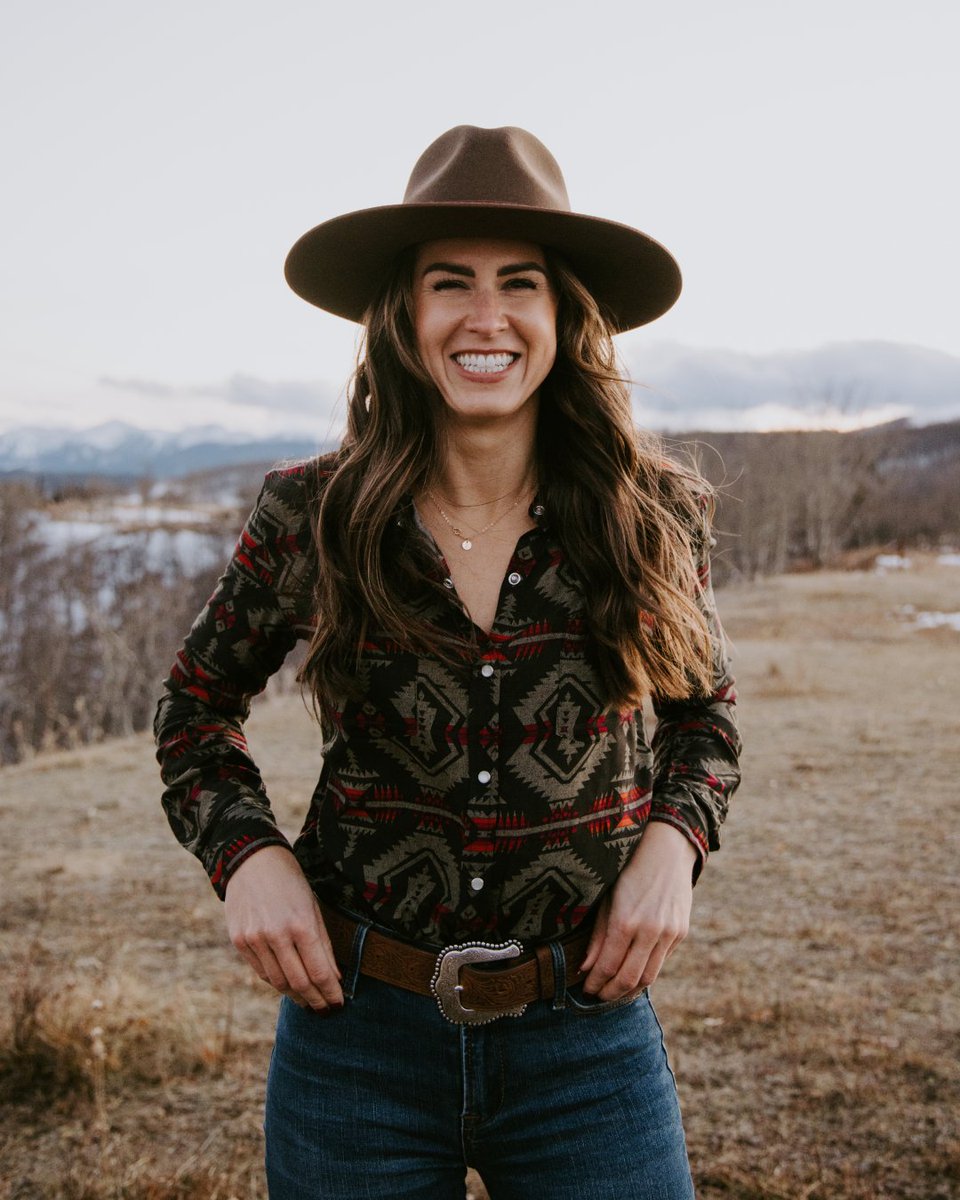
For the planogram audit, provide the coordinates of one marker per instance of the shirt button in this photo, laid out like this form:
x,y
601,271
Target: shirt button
x,y
484,777
448,583
514,578
486,670
476,883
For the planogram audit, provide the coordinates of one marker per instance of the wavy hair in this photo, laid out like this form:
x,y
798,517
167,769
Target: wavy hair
x,y
630,520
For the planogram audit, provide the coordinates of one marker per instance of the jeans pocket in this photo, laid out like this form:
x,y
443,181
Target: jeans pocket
x,y
586,1005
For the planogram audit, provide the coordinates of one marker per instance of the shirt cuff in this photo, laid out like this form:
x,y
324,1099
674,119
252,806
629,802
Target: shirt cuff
x,y
238,850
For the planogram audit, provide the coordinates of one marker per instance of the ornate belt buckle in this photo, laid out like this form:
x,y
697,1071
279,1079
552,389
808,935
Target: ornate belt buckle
x,y
446,985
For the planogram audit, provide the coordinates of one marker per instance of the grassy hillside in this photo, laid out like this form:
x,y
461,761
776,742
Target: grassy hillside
x,y
813,1017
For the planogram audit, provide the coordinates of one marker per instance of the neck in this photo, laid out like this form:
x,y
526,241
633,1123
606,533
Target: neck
x,y
481,463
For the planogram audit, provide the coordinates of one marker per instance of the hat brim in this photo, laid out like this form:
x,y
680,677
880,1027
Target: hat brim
x,y
340,264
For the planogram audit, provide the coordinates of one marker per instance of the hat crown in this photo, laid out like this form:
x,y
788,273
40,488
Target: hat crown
x,y
470,165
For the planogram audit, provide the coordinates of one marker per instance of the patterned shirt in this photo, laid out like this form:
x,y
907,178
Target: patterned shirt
x,y
498,799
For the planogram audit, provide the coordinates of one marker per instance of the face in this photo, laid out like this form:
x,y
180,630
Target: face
x,y
486,323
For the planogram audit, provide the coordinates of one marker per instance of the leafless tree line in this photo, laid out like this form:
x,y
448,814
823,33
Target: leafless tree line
x,y
814,499
87,635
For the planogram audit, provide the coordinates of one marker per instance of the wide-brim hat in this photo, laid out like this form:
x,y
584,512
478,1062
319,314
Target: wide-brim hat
x,y
497,183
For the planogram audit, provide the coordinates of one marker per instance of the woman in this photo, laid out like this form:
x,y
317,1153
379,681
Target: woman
x,y
493,572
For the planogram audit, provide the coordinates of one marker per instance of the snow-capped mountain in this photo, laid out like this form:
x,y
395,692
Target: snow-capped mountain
x,y
116,448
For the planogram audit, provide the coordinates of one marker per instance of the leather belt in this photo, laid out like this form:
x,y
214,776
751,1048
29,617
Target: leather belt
x,y
467,991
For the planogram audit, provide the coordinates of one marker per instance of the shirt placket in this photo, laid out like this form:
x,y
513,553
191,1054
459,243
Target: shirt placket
x,y
488,675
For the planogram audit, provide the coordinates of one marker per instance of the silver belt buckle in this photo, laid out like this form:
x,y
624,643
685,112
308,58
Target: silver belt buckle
x,y
446,985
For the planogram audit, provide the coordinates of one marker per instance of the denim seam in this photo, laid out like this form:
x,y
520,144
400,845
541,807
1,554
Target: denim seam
x,y
663,1044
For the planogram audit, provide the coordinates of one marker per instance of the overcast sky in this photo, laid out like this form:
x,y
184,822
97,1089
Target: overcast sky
x,y
799,158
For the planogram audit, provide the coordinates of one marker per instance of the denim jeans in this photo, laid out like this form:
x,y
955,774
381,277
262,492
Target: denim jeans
x,y
573,1100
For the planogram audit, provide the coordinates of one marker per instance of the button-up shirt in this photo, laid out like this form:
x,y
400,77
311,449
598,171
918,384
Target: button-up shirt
x,y
497,798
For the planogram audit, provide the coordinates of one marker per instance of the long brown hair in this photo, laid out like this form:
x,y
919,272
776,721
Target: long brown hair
x,y
629,519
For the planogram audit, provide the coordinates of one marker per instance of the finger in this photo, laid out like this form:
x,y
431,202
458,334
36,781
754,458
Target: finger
x,y
321,979
613,950
627,976
280,966
324,938
634,972
623,957
312,975
654,965
270,969
319,961
640,968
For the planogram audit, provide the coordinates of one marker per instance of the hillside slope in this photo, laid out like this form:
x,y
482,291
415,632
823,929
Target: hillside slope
x,y
813,1017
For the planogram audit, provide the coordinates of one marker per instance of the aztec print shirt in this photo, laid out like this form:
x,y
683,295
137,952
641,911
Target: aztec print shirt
x,y
495,801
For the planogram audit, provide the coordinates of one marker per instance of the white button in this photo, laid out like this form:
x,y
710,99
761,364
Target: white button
x,y
484,777
486,670
448,583
476,883
513,578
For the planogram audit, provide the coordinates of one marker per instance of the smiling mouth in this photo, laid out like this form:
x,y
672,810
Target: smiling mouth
x,y
485,364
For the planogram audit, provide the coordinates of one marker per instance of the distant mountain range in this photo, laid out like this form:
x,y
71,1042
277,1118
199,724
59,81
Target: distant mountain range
x,y
849,385
118,449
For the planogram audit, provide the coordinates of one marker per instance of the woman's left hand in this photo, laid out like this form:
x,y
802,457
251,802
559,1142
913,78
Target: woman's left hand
x,y
645,916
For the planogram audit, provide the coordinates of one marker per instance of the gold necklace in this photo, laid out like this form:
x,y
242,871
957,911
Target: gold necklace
x,y
480,504
466,542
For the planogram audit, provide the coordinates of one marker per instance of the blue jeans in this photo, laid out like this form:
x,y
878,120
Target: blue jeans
x,y
573,1100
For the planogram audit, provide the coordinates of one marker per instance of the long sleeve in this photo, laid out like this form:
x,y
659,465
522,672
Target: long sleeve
x,y
696,743
215,798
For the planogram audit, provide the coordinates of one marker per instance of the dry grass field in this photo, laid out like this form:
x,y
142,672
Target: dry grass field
x,y
813,1016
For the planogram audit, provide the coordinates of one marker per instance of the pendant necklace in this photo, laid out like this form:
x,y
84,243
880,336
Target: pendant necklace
x,y
466,542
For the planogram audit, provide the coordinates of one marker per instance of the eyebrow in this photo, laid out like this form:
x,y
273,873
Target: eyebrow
x,y
458,269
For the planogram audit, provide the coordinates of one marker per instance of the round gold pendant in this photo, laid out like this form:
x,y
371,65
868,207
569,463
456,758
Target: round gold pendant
x,y
467,544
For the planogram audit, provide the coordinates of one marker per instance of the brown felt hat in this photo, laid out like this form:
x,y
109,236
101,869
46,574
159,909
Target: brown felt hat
x,y
499,183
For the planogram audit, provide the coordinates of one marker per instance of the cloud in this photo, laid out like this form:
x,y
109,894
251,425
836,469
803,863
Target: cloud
x,y
291,396
271,399
148,388
841,386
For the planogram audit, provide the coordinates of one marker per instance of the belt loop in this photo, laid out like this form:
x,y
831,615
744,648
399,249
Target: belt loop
x,y
546,972
559,958
349,981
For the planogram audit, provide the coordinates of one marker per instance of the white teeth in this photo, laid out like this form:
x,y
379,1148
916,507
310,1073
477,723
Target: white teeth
x,y
484,363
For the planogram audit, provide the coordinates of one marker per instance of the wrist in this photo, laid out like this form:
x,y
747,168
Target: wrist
x,y
670,842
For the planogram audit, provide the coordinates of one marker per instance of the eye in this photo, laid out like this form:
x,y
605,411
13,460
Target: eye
x,y
444,285
518,282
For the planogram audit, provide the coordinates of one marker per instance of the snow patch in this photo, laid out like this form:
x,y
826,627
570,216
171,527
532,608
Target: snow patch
x,y
891,562
930,620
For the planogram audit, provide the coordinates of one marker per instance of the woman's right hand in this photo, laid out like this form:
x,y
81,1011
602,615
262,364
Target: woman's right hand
x,y
274,920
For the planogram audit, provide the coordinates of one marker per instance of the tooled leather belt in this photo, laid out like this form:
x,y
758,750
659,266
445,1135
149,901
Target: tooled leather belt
x,y
466,981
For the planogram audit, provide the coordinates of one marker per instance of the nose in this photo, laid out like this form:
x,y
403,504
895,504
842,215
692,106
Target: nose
x,y
486,313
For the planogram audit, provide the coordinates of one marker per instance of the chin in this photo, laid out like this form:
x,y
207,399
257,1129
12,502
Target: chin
x,y
485,408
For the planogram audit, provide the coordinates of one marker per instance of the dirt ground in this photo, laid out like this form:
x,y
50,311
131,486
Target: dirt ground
x,y
813,1016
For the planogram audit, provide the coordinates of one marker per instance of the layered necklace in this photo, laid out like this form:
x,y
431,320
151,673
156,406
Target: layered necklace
x,y
467,539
